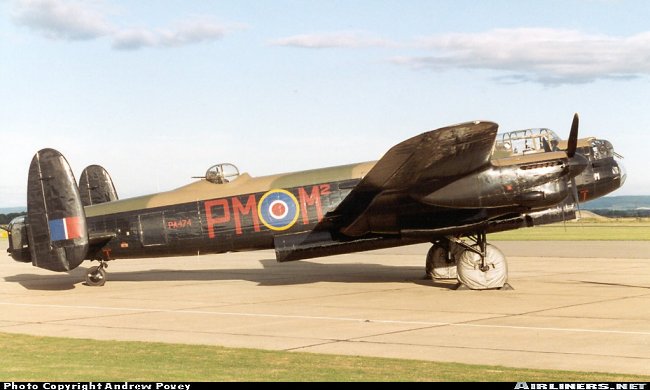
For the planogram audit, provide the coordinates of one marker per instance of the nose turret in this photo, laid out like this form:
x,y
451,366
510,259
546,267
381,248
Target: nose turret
x,y
605,172
621,168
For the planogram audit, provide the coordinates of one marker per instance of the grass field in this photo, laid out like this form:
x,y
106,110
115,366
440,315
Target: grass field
x,y
584,229
31,358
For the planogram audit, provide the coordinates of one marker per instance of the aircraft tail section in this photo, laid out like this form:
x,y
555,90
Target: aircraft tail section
x,y
56,222
96,186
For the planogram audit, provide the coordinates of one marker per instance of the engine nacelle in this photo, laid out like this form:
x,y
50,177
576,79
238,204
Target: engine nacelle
x,y
502,187
535,184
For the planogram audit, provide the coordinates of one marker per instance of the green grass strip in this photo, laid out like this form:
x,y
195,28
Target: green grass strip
x,y
577,231
31,358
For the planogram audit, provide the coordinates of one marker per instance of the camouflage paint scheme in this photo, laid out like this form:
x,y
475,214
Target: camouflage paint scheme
x,y
205,217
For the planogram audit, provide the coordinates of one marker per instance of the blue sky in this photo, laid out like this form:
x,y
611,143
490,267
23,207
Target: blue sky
x,y
157,91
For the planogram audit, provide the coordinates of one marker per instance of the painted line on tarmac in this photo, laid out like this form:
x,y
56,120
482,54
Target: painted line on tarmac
x,y
325,318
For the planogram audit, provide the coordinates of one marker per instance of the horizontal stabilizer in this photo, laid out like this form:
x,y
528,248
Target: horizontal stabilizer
x,y
96,186
58,237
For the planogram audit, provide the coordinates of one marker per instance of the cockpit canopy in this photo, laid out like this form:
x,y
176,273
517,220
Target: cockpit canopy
x,y
525,141
222,173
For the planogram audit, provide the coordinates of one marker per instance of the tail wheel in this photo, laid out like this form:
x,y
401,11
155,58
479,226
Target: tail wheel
x,y
96,276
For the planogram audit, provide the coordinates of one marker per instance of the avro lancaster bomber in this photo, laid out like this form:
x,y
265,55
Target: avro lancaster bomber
x,y
450,187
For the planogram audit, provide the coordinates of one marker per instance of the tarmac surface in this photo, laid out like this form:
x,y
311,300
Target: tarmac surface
x,y
575,305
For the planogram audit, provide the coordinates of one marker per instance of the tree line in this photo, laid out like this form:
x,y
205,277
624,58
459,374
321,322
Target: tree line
x,y
6,218
643,213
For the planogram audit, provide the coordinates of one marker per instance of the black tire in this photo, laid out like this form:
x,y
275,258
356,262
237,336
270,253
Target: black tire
x,y
96,276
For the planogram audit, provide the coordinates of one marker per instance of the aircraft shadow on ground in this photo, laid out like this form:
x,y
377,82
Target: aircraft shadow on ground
x,y
272,274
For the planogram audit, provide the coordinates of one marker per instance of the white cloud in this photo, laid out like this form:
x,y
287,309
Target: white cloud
x,y
134,38
76,20
548,56
60,19
343,39
184,33
542,55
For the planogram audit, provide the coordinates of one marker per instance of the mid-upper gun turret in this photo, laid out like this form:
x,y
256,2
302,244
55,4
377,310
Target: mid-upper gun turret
x,y
220,173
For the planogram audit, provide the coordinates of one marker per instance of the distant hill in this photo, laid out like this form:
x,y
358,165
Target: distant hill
x,y
10,210
639,202
9,213
586,214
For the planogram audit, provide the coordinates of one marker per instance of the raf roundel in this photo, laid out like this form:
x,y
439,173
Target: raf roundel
x,y
278,209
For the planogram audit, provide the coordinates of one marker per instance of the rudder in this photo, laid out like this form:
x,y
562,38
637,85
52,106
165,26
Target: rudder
x,y
96,186
57,230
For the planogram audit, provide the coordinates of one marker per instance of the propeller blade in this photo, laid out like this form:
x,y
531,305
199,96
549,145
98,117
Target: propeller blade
x,y
576,204
573,137
574,192
577,164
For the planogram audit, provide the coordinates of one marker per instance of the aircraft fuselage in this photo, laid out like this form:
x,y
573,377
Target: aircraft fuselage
x,y
294,213
231,223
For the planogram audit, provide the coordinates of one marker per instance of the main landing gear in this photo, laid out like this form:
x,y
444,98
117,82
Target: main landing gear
x,y
96,275
477,265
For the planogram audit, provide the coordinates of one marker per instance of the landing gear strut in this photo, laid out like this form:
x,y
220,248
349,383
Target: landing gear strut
x,y
478,266
96,275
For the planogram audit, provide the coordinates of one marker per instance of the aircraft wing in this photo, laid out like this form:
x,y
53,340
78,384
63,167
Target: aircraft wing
x,y
420,164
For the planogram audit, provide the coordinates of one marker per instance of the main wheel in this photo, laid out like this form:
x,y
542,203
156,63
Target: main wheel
x,y
96,276
438,265
495,274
